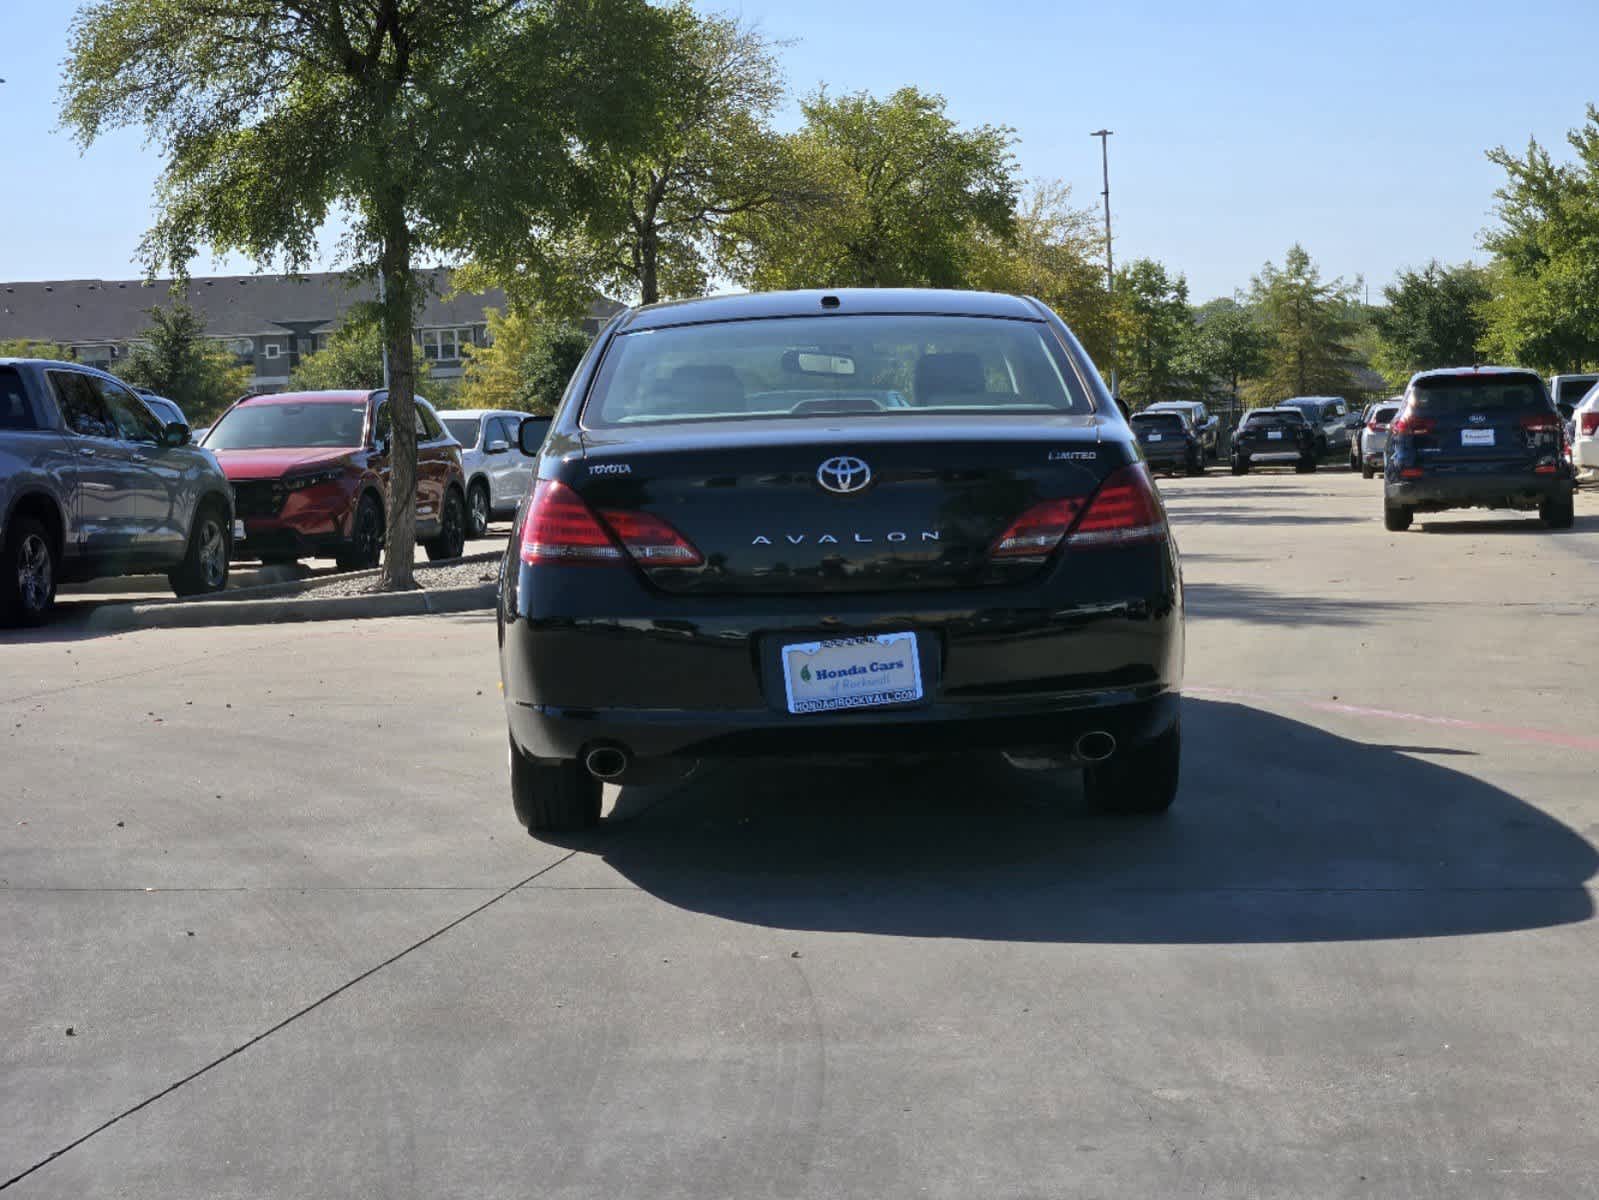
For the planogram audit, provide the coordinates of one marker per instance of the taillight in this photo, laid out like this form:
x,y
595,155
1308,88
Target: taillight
x,y
560,528
1038,530
1124,512
1590,423
1540,422
650,540
1409,423
1377,427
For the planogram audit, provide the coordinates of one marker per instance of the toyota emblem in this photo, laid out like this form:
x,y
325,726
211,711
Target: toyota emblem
x,y
843,474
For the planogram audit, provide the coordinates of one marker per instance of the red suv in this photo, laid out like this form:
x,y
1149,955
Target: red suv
x,y
310,476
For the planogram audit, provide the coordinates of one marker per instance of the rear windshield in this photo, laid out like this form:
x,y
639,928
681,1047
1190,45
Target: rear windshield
x,y
1278,420
1385,414
1461,395
1571,391
273,425
1160,420
463,429
15,411
889,366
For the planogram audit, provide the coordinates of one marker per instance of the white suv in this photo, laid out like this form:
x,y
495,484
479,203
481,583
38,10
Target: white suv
x,y
1585,438
497,473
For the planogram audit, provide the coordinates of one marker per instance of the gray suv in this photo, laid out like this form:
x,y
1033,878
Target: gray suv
x,y
497,473
1330,420
93,484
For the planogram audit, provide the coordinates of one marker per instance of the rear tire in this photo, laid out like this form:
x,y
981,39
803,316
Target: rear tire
x,y
365,547
1559,512
204,569
553,797
28,573
1367,471
1306,466
1240,467
477,509
1142,780
1396,518
451,542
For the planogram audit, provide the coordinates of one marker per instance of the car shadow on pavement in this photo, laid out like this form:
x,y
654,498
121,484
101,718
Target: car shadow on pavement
x,y
1527,523
1255,604
1283,832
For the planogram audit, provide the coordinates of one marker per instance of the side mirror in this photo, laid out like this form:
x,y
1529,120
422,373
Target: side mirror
x,y
498,446
530,434
1127,411
1352,421
380,445
175,434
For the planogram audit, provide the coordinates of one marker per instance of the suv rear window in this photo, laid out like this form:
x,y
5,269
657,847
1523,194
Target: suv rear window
x,y
15,411
1274,420
1461,395
1159,420
1571,391
889,366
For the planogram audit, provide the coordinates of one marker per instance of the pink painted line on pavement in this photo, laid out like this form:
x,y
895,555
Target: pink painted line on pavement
x,y
1515,733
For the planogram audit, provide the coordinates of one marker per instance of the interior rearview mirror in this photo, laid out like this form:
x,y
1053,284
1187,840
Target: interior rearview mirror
x,y
817,362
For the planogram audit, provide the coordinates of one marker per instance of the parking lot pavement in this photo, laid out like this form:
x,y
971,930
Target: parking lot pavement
x,y
270,880
76,600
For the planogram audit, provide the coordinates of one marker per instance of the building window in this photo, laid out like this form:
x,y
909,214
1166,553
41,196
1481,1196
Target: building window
x,y
271,350
444,345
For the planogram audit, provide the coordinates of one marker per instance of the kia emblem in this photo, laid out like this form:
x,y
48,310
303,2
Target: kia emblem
x,y
843,474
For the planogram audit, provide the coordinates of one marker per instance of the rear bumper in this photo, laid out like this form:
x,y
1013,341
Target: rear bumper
x,y
1271,456
593,656
1516,489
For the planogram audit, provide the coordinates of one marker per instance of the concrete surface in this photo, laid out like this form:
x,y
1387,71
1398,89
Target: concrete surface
x,y
270,878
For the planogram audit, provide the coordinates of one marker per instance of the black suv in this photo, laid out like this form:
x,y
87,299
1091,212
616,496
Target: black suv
x,y
1476,437
1277,437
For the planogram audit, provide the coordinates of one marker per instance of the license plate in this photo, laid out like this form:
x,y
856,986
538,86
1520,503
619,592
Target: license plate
x,y
856,672
1275,435
1476,437
238,531
1154,437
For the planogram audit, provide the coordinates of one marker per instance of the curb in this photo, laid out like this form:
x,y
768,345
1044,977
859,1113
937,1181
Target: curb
x,y
298,587
168,614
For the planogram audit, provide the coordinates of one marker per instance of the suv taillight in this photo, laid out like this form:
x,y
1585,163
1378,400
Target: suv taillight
x,y
561,528
1408,422
1541,422
1589,423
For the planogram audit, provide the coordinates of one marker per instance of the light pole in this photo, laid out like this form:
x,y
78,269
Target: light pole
x,y
1104,136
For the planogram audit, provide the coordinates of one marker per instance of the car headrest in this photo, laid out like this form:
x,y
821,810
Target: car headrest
x,y
958,373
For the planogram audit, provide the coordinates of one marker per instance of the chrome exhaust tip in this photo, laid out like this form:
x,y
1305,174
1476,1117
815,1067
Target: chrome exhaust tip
x,y
606,762
1095,747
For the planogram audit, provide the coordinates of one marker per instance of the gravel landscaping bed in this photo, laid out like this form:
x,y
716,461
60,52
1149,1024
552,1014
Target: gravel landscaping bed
x,y
432,577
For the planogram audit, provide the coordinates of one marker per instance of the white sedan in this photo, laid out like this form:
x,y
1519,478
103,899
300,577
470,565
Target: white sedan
x,y
1585,438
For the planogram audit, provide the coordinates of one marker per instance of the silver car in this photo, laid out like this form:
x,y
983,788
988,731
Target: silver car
x,y
1371,439
498,474
93,484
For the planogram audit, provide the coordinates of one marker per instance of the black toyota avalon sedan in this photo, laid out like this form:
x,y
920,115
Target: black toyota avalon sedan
x,y
829,523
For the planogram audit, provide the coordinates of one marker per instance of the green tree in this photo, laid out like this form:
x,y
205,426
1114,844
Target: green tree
x,y
526,365
908,195
1433,318
1309,325
32,348
174,358
1153,325
1054,252
1544,307
448,128
352,359
1225,347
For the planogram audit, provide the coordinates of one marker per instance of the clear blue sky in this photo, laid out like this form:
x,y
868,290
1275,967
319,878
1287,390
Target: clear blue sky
x,y
1358,129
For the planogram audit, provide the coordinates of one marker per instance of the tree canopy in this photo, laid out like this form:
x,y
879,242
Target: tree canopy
x,y
907,194
174,358
449,127
526,365
1153,322
1433,318
1309,325
1225,346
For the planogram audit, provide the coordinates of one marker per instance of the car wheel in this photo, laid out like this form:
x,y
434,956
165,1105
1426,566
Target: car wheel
x,y
365,546
452,529
1367,471
1240,467
1306,466
1142,779
204,568
477,509
1196,464
1321,448
553,797
1396,518
27,574
1559,512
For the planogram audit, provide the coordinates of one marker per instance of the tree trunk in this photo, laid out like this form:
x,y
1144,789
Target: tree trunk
x,y
399,306
648,261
